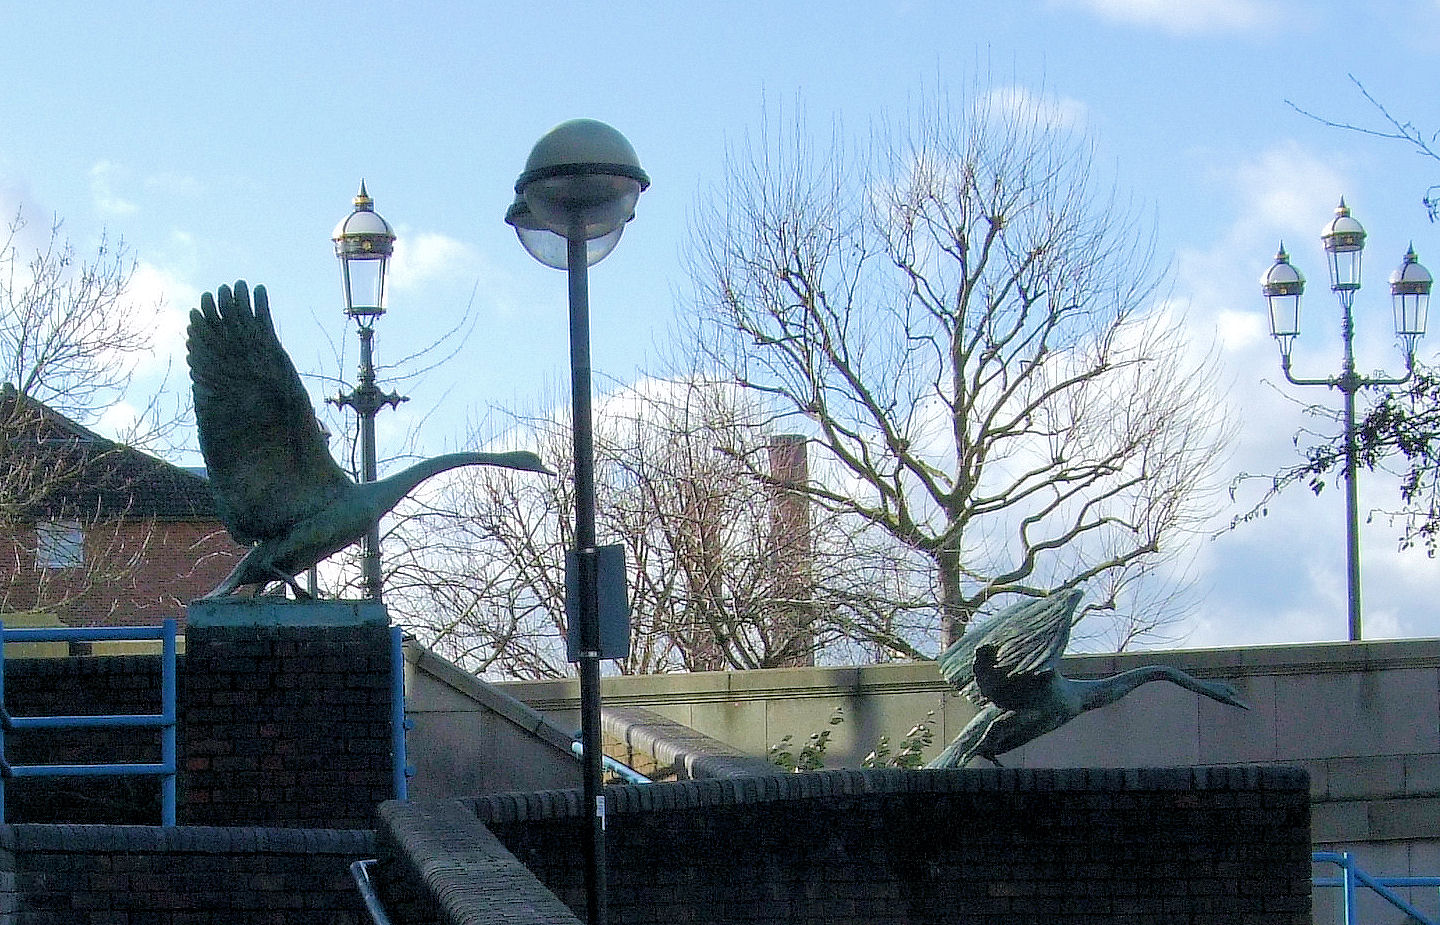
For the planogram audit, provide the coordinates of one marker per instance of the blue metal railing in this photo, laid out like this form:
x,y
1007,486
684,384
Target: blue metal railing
x,y
398,723
614,765
1353,877
164,720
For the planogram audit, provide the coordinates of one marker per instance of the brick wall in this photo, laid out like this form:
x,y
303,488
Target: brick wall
x,y
83,686
137,572
1209,846
285,725
102,875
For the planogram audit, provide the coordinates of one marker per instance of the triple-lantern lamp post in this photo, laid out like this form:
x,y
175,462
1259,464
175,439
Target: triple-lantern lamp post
x,y
1283,284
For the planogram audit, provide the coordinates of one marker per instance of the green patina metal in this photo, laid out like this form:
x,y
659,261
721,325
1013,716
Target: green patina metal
x,y
1010,668
277,488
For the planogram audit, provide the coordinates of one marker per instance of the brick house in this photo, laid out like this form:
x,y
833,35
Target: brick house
x,y
96,533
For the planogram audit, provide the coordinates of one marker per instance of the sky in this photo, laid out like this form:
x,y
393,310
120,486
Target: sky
x,y
224,142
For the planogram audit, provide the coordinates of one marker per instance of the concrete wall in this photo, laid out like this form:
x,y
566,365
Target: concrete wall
x,y
1362,718
468,737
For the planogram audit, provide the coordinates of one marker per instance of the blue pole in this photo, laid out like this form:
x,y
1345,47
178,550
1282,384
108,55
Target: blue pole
x,y
4,725
397,712
167,734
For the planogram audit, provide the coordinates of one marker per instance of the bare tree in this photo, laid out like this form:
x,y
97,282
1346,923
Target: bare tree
x,y
963,324
69,338
724,571
1391,127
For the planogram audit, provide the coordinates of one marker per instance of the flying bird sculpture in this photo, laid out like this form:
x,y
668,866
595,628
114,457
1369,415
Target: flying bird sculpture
x,y
1010,668
277,488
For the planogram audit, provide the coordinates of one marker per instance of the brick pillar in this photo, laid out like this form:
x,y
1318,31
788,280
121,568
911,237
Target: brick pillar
x,y
284,714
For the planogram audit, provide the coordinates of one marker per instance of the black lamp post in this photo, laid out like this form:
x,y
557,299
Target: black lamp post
x,y
579,188
363,244
1344,241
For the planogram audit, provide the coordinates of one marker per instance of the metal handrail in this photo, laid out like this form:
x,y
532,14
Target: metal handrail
x,y
360,872
164,721
401,772
1352,876
614,765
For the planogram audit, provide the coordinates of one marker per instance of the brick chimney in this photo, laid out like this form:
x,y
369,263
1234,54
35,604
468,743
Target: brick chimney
x,y
791,543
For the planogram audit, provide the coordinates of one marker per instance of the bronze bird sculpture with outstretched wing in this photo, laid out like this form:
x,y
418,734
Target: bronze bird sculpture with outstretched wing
x,y
277,488
1009,667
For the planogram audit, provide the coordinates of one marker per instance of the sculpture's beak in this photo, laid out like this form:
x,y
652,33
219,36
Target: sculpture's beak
x,y
520,459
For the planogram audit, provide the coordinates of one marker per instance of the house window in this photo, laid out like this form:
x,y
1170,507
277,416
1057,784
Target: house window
x,y
59,544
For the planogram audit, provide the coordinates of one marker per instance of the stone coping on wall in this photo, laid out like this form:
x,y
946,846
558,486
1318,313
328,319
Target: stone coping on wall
x,y
185,839
698,794
466,875
678,749
441,862
275,611
906,677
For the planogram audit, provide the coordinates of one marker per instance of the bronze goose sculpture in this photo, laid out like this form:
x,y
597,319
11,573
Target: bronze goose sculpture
x,y
277,488
1010,667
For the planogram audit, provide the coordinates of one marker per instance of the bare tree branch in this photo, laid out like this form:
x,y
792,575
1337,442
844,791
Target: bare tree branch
x,y
961,321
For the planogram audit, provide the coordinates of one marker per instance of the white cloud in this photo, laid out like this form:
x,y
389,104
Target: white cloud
x,y
162,302
424,257
103,178
118,420
1058,111
1183,17
173,184
1283,194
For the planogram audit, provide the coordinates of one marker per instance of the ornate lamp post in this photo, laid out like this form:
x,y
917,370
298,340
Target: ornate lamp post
x,y
364,243
1344,241
579,188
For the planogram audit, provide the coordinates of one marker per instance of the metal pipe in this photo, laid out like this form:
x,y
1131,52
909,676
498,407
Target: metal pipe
x,y
1352,875
360,873
618,768
4,726
168,753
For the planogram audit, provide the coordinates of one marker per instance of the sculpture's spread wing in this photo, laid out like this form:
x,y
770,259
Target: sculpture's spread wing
x,y
1028,638
265,451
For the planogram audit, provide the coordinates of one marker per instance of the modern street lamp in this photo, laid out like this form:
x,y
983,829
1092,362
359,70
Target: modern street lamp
x,y
1282,284
364,242
579,188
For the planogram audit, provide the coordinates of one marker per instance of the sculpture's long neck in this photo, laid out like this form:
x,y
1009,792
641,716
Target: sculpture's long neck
x,y
388,491
1095,694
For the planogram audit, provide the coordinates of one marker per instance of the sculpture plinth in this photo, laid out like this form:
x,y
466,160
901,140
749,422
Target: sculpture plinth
x,y
285,714
276,611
